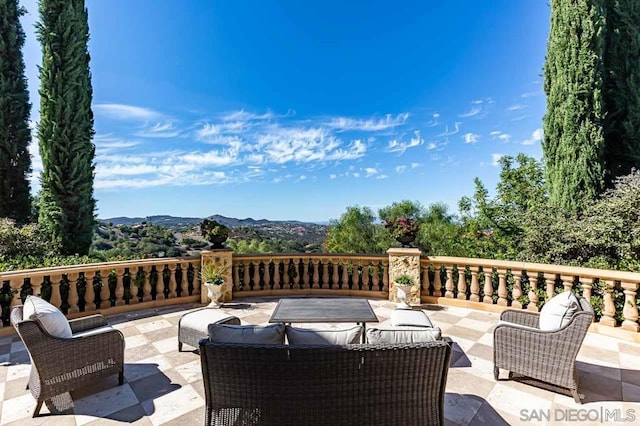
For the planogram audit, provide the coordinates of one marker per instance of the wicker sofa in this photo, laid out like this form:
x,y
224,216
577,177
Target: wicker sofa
x,y
387,384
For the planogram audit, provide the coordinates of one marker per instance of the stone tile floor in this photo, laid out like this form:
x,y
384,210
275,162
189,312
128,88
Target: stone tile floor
x,y
164,386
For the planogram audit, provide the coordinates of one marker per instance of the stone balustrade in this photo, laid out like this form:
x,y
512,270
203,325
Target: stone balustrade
x,y
474,283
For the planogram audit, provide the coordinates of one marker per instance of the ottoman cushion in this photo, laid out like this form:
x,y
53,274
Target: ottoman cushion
x,y
411,318
193,326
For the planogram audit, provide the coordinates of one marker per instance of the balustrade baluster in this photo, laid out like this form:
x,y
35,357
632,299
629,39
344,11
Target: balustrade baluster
x,y
587,286
567,282
56,297
120,286
245,273
630,310
517,289
533,295
105,292
502,288
236,277
449,283
261,270
462,283
277,277
550,281
488,287
300,274
73,298
90,291
385,276
36,285
184,282
475,287
425,280
315,279
609,311
146,283
437,280
173,286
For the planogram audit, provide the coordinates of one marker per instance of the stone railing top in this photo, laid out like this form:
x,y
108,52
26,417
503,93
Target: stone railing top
x,y
96,266
311,255
623,276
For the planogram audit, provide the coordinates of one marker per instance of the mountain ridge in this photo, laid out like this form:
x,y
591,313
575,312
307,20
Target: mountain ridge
x,y
232,222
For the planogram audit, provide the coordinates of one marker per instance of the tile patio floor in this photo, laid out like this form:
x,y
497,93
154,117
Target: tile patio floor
x,y
164,386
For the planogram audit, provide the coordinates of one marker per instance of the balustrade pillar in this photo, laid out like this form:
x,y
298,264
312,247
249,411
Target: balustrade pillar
x,y
609,311
517,289
475,287
550,280
502,288
587,286
437,280
146,283
425,280
56,297
462,283
630,310
120,286
105,292
404,261
567,282
36,286
533,295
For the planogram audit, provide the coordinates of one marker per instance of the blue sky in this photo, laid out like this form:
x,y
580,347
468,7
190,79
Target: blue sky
x,y
296,110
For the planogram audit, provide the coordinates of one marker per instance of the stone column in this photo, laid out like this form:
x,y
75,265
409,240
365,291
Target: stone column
x,y
404,261
225,257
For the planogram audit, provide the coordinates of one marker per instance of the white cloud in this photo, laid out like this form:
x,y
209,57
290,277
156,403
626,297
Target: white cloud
x,y
127,112
503,137
332,176
370,171
432,145
475,110
209,131
536,136
399,146
382,177
516,107
401,169
369,125
243,115
530,94
471,138
495,157
356,174
478,108
456,129
159,130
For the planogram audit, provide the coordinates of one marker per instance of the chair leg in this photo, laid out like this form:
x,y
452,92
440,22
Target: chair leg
x,y
576,396
496,372
121,378
179,346
36,412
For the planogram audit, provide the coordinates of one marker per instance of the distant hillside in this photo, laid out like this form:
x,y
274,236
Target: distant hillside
x,y
175,221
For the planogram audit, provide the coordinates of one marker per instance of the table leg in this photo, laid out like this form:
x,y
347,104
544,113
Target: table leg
x,y
364,332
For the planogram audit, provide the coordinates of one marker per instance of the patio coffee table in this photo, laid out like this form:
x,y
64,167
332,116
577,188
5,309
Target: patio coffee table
x,y
311,310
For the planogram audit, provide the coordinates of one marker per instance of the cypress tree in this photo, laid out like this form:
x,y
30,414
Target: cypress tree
x,y
66,126
15,161
622,88
573,141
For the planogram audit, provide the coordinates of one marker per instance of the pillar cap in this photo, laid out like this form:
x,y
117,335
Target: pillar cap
x,y
222,250
404,251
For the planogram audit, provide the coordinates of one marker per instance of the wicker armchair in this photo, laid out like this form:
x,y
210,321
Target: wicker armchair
x,y
60,365
400,384
520,347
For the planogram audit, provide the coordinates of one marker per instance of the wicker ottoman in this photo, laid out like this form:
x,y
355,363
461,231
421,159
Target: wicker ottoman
x,y
193,326
409,317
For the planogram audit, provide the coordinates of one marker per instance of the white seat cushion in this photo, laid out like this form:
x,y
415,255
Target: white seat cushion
x,y
50,317
312,336
262,334
403,335
409,317
200,319
91,332
558,311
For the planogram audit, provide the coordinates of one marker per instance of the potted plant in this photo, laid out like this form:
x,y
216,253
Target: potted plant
x,y
404,283
214,232
213,275
403,229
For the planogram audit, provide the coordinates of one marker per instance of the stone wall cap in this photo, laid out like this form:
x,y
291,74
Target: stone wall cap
x,y
404,251
222,250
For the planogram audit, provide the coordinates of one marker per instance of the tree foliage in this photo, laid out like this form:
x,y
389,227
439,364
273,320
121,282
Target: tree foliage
x,y
357,232
66,126
573,140
621,87
15,135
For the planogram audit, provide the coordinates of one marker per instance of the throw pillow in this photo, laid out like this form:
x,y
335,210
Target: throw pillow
x,y
403,335
558,311
260,334
50,318
311,336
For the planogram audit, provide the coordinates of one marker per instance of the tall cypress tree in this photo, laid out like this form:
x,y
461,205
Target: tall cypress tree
x,y
622,88
66,125
573,141
15,161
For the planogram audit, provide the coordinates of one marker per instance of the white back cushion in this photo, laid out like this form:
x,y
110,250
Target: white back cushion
x,y
403,335
262,334
311,336
50,317
558,311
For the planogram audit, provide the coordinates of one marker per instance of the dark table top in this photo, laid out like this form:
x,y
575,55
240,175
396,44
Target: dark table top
x,y
323,310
